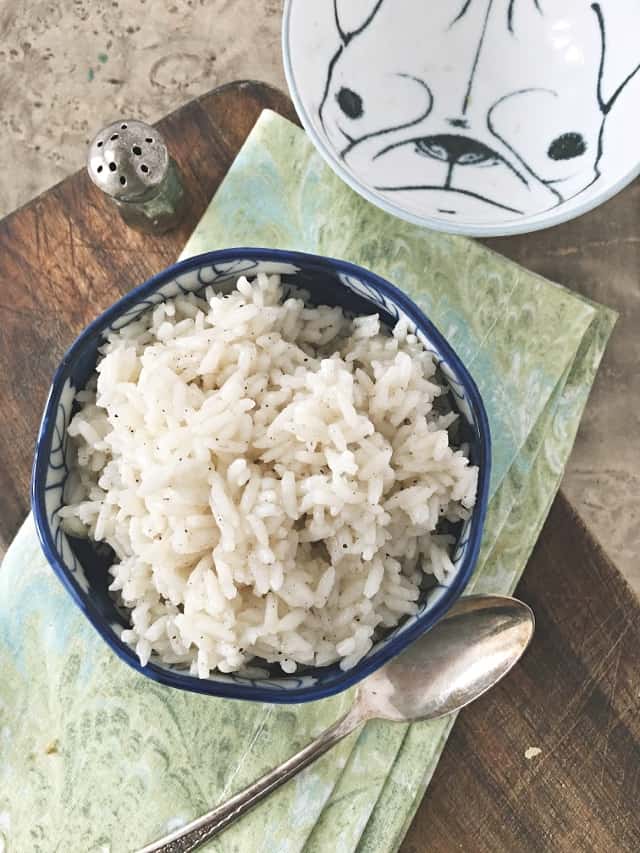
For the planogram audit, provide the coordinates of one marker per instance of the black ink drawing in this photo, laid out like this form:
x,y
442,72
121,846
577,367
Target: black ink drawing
x,y
427,96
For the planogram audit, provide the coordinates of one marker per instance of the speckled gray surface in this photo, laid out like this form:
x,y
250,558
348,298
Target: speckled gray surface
x,y
69,67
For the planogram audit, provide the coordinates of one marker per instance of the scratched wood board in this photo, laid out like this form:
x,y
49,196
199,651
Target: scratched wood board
x,y
65,257
575,697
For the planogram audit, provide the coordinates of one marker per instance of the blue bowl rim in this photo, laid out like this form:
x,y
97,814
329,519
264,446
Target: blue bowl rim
x,y
184,681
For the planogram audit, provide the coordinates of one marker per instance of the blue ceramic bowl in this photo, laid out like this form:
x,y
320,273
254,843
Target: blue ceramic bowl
x,y
83,569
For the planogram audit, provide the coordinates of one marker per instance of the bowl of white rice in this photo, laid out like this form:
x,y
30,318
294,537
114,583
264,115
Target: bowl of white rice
x,y
262,474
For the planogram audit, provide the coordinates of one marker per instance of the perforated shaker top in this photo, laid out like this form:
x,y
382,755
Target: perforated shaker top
x,y
128,160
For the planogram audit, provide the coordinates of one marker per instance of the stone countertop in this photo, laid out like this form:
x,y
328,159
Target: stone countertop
x,y
68,68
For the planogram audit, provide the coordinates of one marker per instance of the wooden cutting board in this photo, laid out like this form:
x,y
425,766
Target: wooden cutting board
x,y
66,256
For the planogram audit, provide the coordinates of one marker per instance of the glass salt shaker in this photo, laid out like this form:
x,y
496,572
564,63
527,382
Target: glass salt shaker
x,y
129,161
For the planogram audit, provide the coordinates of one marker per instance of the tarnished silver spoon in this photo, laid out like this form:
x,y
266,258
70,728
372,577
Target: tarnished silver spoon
x,y
459,659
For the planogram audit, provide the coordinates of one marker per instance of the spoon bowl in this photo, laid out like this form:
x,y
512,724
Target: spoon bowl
x,y
468,651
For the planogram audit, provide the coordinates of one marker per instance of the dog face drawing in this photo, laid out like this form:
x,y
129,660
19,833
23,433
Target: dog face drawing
x,y
428,101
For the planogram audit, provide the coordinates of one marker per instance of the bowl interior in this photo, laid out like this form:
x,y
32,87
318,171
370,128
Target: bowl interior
x,y
471,117
82,566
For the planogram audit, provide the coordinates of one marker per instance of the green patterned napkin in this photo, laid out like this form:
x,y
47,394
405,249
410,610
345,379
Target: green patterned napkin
x,y
94,757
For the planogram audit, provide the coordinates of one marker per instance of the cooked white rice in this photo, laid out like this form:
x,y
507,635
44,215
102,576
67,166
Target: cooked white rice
x,y
269,475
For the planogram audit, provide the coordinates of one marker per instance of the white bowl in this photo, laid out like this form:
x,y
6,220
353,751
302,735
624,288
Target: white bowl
x,y
479,117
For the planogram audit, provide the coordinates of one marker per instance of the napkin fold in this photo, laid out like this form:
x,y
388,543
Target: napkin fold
x,y
95,758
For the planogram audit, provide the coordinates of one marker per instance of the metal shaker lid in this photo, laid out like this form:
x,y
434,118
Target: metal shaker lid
x,y
128,160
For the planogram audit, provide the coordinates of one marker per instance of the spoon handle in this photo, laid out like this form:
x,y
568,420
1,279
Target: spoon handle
x,y
202,829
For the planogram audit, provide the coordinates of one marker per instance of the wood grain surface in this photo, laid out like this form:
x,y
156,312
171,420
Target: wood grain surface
x,y
66,256
575,696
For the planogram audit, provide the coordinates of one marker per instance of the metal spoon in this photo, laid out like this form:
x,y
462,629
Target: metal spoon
x,y
460,658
